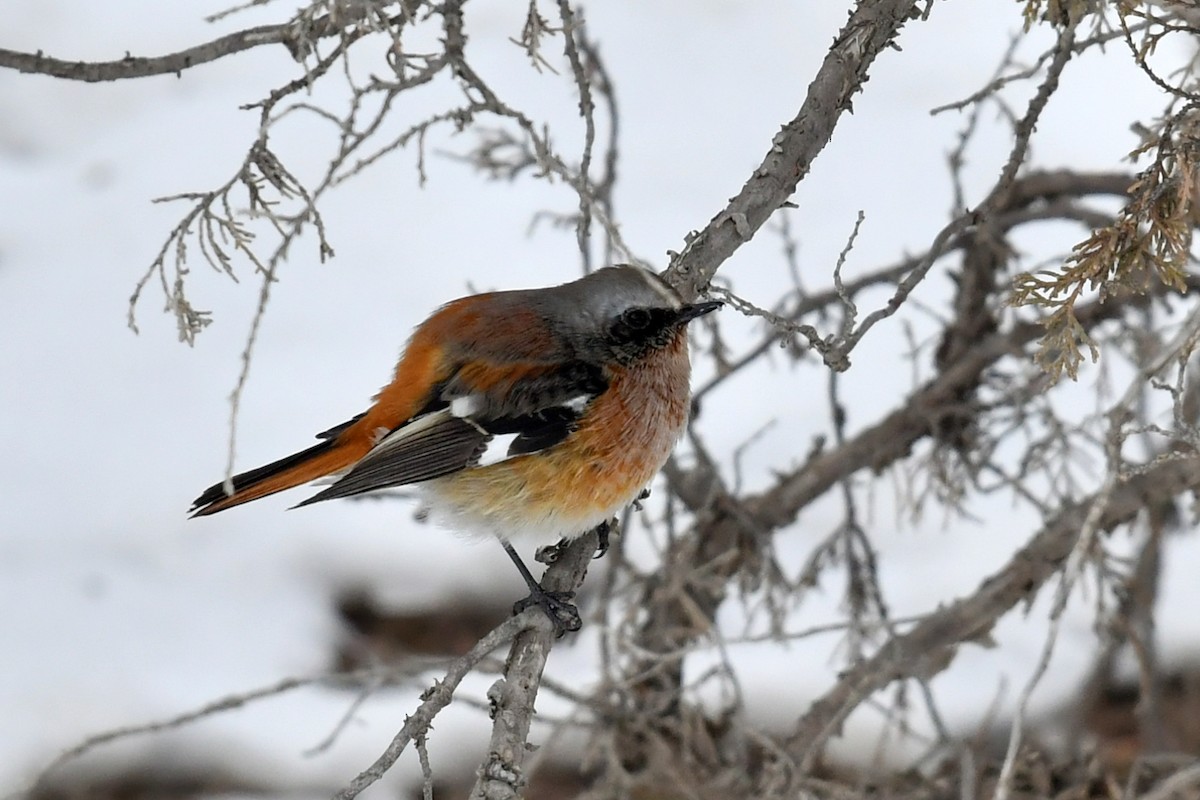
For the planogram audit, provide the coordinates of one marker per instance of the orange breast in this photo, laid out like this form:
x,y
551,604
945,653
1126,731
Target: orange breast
x,y
621,442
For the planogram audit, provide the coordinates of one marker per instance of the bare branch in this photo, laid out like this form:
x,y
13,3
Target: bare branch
x,y
512,697
871,28
838,357
930,645
434,700
295,36
136,67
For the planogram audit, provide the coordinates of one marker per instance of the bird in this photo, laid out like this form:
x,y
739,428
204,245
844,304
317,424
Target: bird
x,y
529,414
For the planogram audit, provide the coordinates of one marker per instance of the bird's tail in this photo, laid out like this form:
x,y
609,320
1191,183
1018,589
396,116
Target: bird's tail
x,y
317,461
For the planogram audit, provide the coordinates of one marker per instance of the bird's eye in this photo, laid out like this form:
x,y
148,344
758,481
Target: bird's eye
x,y
638,319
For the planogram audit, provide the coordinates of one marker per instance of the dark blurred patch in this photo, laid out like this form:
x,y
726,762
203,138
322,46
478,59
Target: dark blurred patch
x,y
1035,776
1111,716
140,784
384,636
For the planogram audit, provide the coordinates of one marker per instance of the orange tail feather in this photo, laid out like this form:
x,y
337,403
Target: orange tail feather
x,y
316,462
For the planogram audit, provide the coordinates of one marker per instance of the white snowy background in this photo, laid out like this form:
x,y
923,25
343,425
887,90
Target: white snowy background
x,y
115,609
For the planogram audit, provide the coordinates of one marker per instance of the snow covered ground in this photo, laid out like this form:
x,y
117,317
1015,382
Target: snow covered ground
x,y
117,610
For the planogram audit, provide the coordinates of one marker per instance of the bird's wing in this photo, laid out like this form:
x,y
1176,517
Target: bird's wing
x,y
493,357
523,407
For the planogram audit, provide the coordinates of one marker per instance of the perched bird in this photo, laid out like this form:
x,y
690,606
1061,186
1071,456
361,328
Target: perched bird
x,y
537,413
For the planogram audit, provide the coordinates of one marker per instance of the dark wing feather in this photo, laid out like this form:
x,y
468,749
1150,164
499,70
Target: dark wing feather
x,y
536,431
441,444
523,388
540,404
542,407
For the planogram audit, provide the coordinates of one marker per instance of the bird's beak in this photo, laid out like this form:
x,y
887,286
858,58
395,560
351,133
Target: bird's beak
x,y
689,313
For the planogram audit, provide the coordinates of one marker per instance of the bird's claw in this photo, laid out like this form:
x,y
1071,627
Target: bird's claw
x,y
642,495
548,554
557,606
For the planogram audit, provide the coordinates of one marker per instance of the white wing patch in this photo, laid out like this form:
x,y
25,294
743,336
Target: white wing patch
x,y
465,406
497,450
579,402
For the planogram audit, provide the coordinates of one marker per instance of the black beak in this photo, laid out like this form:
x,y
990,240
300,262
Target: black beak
x,y
689,313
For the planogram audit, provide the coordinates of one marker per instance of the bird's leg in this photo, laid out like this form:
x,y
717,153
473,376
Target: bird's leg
x,y
557,605
553,552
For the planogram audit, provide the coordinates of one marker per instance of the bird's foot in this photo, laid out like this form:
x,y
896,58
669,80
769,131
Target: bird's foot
x,y
550,553
556,605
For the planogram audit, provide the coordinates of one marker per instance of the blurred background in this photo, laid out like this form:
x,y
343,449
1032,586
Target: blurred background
x,y
116,610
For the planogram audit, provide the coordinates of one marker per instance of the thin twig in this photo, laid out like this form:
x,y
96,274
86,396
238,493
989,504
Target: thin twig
x,y
434,700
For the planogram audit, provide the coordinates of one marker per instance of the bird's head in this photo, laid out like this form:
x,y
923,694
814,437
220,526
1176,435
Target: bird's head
x,y
623,313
